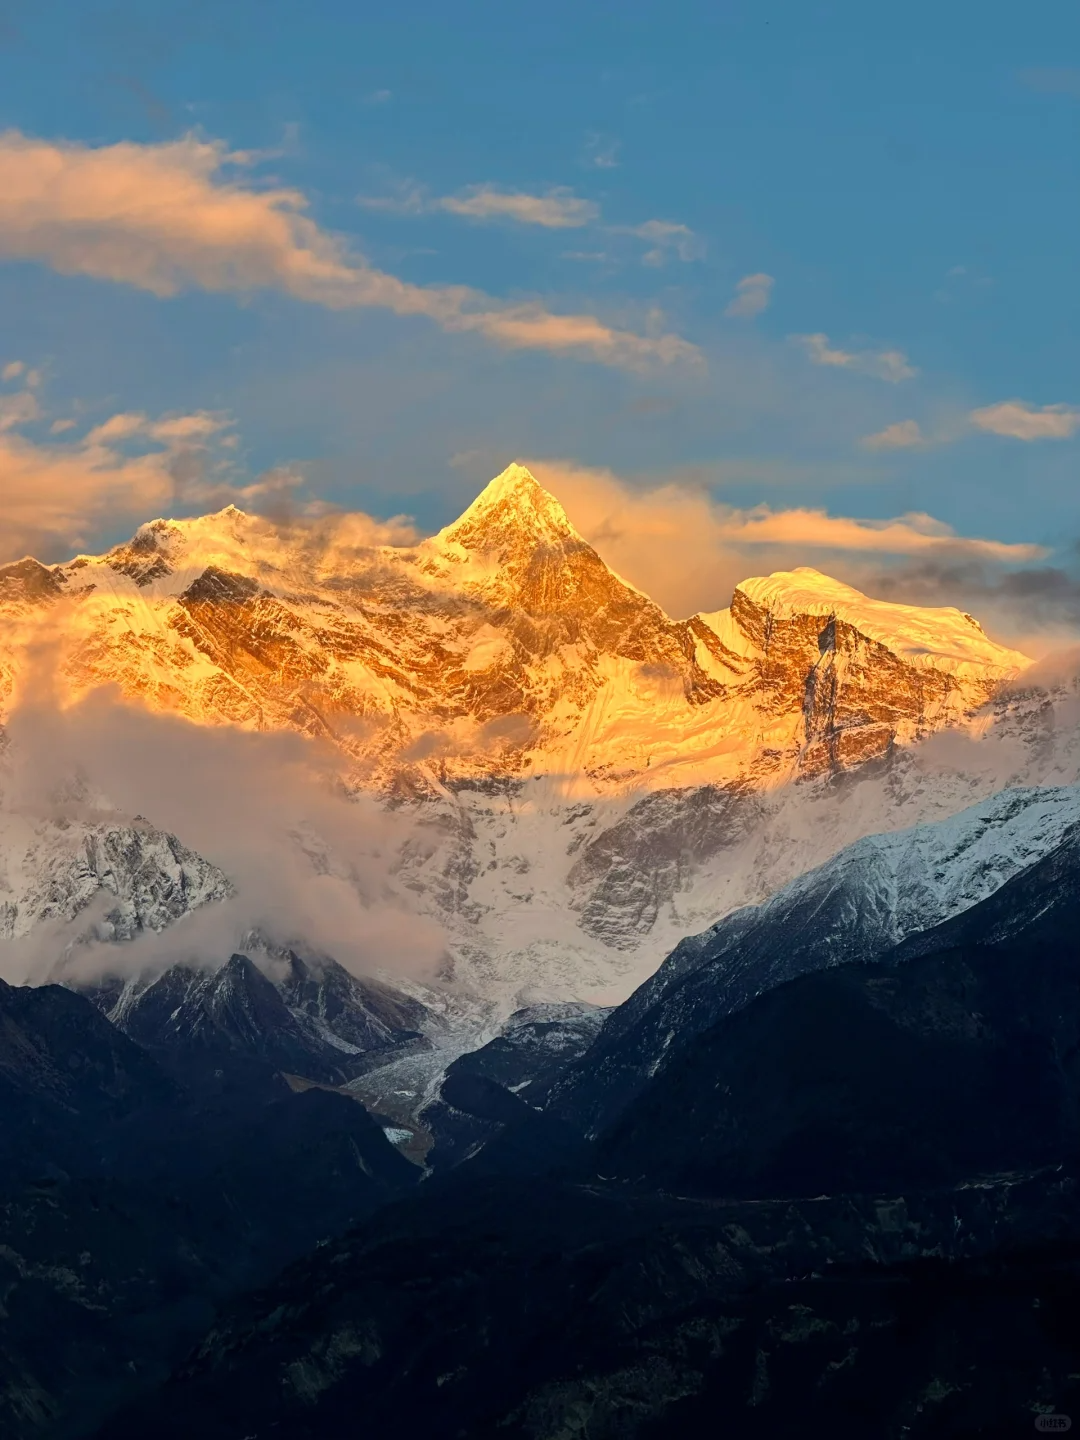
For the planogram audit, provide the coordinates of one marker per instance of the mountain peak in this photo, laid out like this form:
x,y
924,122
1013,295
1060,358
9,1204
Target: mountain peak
x,y
934,637
512,506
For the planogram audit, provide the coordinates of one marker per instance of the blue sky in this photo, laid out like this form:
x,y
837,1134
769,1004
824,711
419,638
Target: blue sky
x,y
904,179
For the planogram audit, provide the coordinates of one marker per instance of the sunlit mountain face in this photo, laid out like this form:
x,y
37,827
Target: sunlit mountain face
x,y
502,645
576,778
332,866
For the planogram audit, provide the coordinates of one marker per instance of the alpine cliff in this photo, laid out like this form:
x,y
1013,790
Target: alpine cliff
x,y
503,645
586,779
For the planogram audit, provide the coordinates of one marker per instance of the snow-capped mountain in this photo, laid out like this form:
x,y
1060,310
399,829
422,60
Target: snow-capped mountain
x,y
308,1018
859,906
502,645
54,868
584,779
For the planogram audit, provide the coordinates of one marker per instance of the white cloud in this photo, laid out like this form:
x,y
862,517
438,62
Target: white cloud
x,y
1022,421
752,295
178,215
12,370
903,435
891,365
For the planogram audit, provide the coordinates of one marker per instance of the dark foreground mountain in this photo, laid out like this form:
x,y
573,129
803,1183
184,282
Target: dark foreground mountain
x,y
132,1202
305,1017
535,1310
839,1198
672,1276
885,891
486,1089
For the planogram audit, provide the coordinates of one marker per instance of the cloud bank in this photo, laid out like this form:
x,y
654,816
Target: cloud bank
x,y
309,865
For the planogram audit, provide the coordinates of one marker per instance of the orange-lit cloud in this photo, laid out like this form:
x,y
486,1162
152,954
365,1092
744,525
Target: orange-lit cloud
x,y
688,552
556,209
185,214
129,467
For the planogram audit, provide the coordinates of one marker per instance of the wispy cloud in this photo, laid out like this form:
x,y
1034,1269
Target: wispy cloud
x,y
752,295
183,214
903,435
912,534
406,197
891,365
557,209
1021,421
601,152
665,238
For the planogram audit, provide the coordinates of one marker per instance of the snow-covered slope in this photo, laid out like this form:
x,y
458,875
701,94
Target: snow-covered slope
x,y
880,891
53,869
584,779
940,638
503,645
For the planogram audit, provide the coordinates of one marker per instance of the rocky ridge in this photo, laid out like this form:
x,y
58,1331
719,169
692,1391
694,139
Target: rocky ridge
x,y
586,779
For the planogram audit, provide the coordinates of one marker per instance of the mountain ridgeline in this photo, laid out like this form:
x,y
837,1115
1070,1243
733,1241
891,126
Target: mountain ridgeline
x,y
844,1203
507,613
581,779
746,1099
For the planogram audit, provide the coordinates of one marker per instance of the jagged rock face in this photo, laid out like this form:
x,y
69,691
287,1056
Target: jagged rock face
x,y
364,1013
856,697
53,869
585,778
234,1010
502,645
485,1088
630,871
